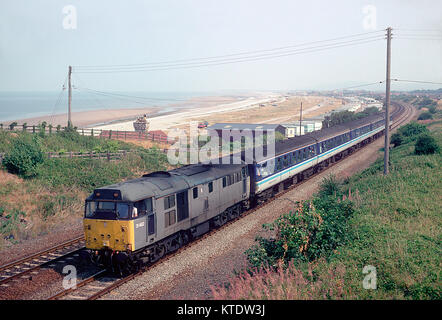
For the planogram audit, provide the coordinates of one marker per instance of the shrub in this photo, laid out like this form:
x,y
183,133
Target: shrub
x,y
11,223
396,139
315,229
426,144
425,116
291,283
432,109
329,187
24,156
412,129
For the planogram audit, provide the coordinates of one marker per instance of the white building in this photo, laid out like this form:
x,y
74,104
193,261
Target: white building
x,y
308,125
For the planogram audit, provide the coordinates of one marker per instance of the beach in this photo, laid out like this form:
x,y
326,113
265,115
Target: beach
x,y
165,116
249,108
184,115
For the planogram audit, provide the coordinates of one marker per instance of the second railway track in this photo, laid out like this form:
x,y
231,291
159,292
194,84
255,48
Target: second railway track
x,y
32,263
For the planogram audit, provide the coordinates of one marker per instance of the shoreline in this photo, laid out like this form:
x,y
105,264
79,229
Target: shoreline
x,y
123,118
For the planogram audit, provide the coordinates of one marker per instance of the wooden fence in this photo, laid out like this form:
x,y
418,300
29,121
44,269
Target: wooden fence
x,y
99,133
90,155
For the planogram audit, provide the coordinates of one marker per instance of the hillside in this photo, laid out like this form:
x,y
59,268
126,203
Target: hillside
x,y
329,246
38,193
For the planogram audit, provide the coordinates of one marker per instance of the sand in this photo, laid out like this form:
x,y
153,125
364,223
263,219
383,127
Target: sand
x,y
166,122
123,118
256,108
87,118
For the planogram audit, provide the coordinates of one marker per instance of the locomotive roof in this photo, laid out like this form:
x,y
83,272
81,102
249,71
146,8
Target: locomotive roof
x,y
162,183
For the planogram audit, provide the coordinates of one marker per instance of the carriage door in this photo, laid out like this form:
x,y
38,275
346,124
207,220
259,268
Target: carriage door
x,y
182,205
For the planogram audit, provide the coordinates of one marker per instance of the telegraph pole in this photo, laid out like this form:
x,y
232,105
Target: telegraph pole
x,y
300,120
387,106
70,97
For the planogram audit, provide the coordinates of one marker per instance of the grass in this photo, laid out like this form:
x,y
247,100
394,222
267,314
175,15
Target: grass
x,y
396,228
54,195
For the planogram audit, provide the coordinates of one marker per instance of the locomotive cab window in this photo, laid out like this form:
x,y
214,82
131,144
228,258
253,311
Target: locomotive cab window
x,y
122,210
107,210
210,187
195,192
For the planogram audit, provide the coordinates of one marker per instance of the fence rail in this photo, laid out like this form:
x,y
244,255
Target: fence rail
x,y
99,133
91,155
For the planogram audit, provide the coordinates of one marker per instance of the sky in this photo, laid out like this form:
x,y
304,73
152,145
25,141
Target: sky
x,y
36,48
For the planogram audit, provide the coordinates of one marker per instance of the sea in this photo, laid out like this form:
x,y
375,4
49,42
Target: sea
x,y
22,105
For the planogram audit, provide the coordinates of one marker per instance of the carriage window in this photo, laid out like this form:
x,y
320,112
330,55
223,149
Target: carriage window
x,y
286,161
224,182
312,151
279,164
170,218
195,192
169,202
210,187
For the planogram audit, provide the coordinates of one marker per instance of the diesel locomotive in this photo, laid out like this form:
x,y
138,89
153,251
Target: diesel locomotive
x,y
135,222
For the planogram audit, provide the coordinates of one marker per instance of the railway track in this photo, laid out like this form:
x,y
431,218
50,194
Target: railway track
x,y
102,283
32,263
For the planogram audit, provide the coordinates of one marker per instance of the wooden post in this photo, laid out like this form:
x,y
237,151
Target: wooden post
x,y
69,97
387,106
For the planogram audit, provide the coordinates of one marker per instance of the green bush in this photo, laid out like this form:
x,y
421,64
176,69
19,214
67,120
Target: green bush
x,y
425,116
314,230
432,109
396,139
11,222
426,144
412,129
24,156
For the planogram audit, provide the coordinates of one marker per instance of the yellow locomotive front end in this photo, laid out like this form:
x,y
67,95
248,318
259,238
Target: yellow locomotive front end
x,y
116,235
109,229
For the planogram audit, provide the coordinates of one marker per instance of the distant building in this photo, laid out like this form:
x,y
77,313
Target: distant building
x,y
307,125
376,105
256,129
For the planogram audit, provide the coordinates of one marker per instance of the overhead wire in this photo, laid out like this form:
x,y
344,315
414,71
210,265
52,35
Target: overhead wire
x,y
57,102
216,63
224,56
